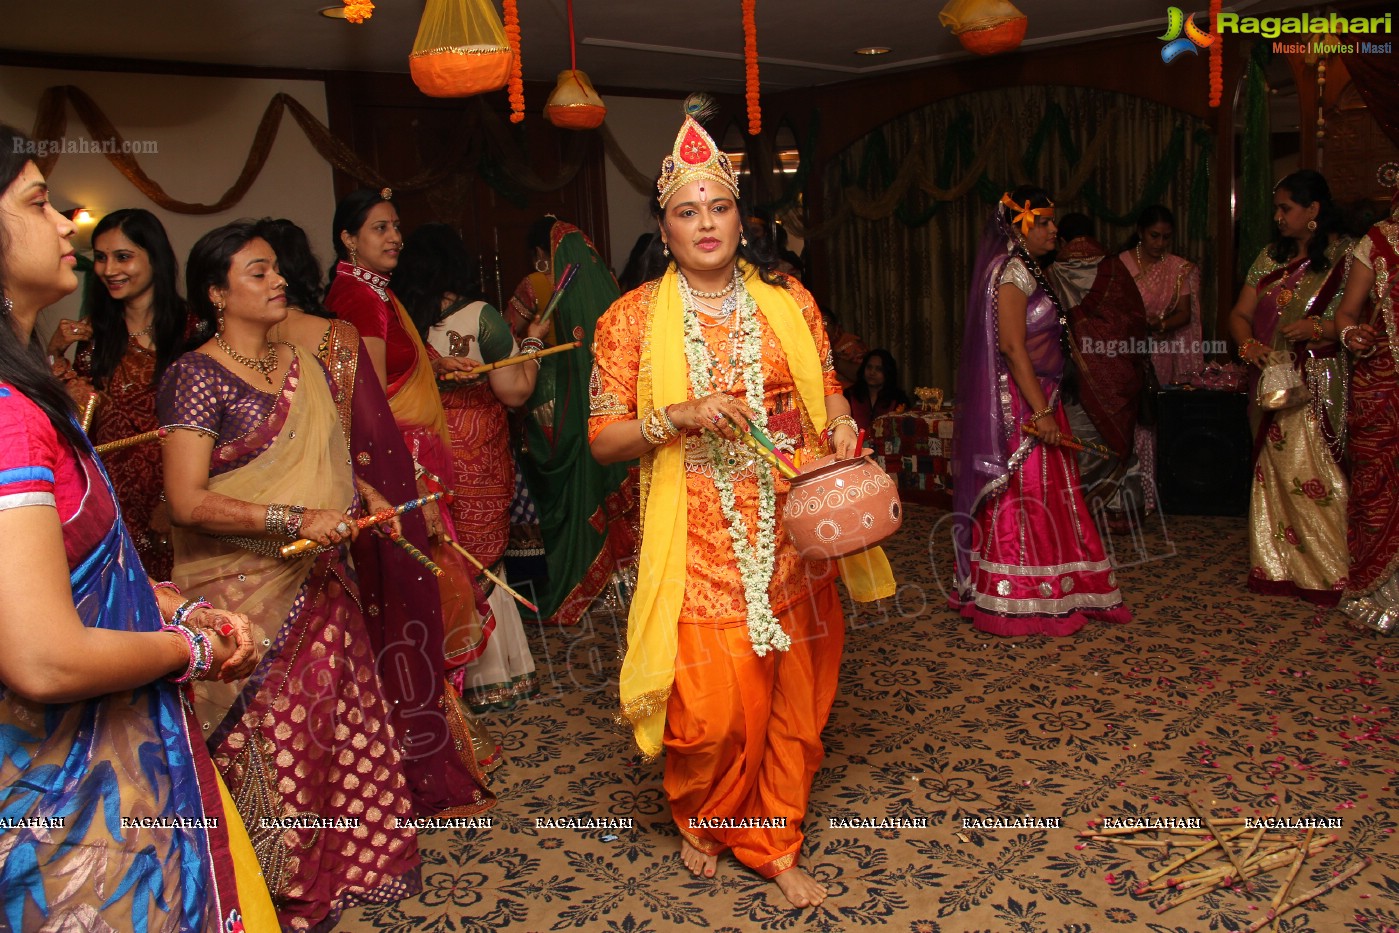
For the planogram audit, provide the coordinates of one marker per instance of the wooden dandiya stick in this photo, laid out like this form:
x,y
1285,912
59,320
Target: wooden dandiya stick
x,y
1225,874
1253,844
416,554
88,411
1073,443
768,445
786,469
1211,825
565,278
132,441
509,361
486,572
1190,857
1335,882
1281,897
302,545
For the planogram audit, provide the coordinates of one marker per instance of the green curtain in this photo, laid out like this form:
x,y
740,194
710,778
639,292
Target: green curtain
x,y
906,204
1255,197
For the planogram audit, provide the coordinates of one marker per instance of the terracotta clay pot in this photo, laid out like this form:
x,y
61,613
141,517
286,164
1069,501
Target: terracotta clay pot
x,y
839,507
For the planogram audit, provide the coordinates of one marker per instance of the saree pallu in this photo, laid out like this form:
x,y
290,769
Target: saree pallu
x,y
307,734
1297,507
402,603
417,409
585,509
74,772
1372,592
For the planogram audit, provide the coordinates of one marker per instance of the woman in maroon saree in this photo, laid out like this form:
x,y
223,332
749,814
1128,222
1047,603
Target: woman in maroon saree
x,y
256,456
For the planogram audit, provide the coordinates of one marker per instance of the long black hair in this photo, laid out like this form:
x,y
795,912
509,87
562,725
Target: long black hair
x,y
350,214
296,263
757,253
208,265
1307,187
1038,197
109,333
1149,217
25,365
434,263
891,392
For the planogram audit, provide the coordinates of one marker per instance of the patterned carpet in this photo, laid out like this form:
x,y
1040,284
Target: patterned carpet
x,y
1211,690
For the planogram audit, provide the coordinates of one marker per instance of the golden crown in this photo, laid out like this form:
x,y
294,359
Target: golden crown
x,y
694,157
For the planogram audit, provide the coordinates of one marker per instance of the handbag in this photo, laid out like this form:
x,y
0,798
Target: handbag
x,y
1281,386
1147,408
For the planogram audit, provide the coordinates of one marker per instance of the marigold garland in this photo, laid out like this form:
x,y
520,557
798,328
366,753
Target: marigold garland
x,y
357,11
1216,56
517,81
750,66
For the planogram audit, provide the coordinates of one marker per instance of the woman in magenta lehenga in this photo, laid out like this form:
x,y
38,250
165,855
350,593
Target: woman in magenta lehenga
x,y
1029,559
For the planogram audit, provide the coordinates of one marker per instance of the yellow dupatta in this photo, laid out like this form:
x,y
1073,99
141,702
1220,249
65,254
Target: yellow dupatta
x,y
648,670
417,402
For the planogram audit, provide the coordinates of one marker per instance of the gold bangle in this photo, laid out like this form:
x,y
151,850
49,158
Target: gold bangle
x,y
1047,410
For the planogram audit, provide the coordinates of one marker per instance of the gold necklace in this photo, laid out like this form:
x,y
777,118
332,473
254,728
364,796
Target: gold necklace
x,y
267,365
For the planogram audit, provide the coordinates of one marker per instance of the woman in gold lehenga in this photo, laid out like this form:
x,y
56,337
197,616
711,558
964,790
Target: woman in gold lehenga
x,y
1297,514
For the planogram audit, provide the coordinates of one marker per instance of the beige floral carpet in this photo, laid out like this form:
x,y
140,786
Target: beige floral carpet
x,y
1257,706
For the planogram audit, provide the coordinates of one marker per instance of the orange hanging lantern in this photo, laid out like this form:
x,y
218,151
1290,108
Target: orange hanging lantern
x,y
460,50
574,105
986,27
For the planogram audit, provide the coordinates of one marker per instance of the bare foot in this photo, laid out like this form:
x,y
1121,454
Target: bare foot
x,y
801,889
700,865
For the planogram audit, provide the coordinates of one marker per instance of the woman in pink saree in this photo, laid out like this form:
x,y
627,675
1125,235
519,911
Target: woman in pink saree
x,y
1029,558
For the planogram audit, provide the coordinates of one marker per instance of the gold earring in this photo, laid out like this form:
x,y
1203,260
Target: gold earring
x,y
1311,225
354,257
742,240
665,250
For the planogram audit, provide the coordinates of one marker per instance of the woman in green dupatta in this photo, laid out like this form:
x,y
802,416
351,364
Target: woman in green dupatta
x,y
584,507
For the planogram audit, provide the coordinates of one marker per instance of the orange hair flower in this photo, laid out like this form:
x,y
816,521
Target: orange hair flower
x,y
517,81
357,11
1216,57
750,67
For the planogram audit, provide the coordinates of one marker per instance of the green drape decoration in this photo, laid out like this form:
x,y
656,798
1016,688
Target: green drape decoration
x,y
1255,197
906,204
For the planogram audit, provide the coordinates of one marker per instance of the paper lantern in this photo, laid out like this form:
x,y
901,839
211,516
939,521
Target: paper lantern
x,y
574,105
986,27
460,49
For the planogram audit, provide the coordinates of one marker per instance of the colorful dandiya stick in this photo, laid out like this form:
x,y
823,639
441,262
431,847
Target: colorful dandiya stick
x,y
767,442
486,572
416,554
783,466
88,411
509,361
302,545
1073,443
132,441
565,277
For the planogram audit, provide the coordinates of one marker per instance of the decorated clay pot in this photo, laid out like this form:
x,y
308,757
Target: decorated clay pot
x,y
838,507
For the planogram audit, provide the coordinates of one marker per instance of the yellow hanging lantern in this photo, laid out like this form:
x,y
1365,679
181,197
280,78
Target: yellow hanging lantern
x,y
460,49
574,105
986,27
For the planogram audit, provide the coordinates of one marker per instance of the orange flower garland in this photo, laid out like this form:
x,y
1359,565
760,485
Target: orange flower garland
x,y
517,81
357,11
1216,57
750,66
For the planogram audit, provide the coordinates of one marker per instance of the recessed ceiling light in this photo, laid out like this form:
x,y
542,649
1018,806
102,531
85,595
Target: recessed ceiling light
x,y
333,12
873,50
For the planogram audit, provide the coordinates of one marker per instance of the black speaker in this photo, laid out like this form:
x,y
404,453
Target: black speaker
x,y
1204,453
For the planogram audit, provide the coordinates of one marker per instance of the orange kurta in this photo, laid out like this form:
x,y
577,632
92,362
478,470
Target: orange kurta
x,y
742,732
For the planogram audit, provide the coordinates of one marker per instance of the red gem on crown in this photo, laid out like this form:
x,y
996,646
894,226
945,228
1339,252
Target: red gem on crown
x,y
693,148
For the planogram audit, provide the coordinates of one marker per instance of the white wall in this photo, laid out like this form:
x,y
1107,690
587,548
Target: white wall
x,y
202,129
645,127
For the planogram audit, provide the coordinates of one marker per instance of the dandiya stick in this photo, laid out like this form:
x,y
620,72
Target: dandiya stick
x,y
786,469
1281,897
509,361
1204,885
1073,443
1335,882
768,445
486,572
302,545
569,272
1191,856
132,441
1224,843
416,554
88,411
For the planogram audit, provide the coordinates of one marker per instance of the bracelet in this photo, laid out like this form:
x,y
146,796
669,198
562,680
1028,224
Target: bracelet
x,y
275,519
669,424
294,519
836,422
1047,410
1243,348
657,429
188,606
1316,328
167,585
1345,334
531,345
201,652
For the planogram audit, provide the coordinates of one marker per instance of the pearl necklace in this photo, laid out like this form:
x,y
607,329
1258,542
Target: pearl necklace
x,y
733,283
267,365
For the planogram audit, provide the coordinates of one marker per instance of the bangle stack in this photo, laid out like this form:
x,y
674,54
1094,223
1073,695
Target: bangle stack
x,y
167,585
531,345
836,422
657,428
201,649
1345,334
284,520
1244,347
1046,410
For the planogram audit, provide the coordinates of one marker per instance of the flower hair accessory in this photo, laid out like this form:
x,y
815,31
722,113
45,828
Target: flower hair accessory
x,y
1025,215
695,157
386,194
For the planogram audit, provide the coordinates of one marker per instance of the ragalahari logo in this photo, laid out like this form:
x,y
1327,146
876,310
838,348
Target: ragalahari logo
x,y
1176,43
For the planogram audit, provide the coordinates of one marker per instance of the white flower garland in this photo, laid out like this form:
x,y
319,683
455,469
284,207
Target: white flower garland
x,y
755,562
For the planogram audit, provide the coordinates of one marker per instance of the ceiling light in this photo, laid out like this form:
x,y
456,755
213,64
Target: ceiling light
x,y
873,50
333,12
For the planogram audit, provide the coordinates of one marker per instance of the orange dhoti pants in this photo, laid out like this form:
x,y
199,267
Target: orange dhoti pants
x,y
743,733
